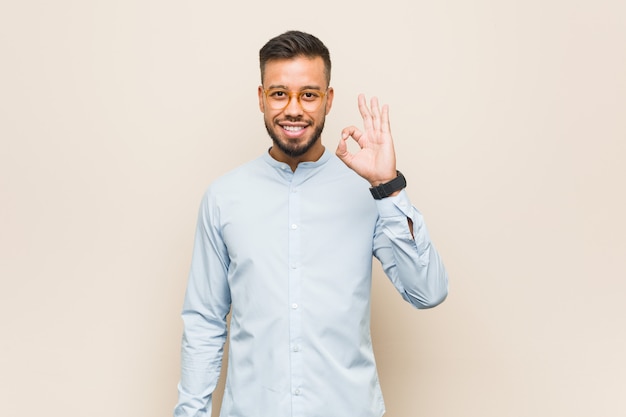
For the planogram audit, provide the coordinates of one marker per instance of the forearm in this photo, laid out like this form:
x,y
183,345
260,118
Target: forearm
x,y
409,258
201,360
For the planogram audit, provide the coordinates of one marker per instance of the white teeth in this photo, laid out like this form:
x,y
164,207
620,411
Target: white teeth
x,y
293,128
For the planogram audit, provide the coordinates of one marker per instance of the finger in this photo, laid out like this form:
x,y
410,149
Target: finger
x,y
375,111
351,131
384,120
365,112
342,147
342,151
347,132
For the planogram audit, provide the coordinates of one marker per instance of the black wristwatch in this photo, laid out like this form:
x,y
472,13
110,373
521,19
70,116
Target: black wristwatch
x,y
385,190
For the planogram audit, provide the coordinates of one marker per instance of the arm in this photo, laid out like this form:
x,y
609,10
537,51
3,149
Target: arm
x,y
401,240
206,305
407,255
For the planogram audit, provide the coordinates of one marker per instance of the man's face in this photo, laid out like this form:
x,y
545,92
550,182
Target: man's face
x,y
294,130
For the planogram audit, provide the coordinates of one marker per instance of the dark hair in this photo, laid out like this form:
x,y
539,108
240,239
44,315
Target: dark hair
x,y
292,44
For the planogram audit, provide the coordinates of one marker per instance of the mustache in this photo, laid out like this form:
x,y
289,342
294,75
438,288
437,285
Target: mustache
x,y
293,119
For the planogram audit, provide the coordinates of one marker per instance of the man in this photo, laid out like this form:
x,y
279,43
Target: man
x,y
285,243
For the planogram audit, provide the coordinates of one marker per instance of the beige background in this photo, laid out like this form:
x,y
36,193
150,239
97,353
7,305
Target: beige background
x,y
509,121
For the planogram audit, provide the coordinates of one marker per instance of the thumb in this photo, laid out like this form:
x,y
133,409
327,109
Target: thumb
x,y
342,151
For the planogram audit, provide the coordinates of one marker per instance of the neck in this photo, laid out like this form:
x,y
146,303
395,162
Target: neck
x,y
311,155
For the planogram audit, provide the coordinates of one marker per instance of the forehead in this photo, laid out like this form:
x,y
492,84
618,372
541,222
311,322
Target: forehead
x,y
295,72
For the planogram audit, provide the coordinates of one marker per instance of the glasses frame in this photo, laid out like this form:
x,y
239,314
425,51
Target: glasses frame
x,y
298,95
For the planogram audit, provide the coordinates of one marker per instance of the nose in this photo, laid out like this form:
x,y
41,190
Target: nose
x,y
293,108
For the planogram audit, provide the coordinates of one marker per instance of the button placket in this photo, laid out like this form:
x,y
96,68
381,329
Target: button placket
x,y
295,310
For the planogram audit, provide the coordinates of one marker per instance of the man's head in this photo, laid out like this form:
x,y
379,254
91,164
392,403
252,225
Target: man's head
x,y
295,95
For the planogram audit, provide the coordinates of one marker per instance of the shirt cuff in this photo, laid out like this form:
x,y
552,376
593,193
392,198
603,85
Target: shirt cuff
x,y
395,206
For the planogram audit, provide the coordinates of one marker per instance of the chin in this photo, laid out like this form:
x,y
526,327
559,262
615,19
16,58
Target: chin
x,y
294,147
293,151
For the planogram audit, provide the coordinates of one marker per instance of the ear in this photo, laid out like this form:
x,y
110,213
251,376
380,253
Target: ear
x,y
261,93
330,94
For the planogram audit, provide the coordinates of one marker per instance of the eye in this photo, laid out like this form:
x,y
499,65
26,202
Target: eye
x,y
310,95
277,94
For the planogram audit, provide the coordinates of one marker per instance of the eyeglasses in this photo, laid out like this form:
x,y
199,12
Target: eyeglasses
x,y
279,98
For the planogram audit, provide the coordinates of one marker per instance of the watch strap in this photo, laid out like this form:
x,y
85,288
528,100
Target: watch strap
x,y
385,190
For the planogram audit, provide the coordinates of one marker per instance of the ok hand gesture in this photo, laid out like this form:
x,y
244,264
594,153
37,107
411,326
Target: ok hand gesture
x,y
376,160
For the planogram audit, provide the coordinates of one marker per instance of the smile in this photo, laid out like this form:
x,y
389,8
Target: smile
x,y
293,128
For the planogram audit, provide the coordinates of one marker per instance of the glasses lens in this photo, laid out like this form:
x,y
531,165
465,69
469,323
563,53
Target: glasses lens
x,y
310,100
277,99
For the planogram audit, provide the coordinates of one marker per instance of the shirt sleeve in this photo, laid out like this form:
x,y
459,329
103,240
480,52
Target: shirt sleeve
x,y
206,305
410,261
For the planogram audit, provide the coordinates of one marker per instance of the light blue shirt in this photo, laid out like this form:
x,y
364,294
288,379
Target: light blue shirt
x,y
289,254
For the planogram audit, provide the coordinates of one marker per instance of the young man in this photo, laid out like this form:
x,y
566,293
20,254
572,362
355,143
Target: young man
x,y
285,243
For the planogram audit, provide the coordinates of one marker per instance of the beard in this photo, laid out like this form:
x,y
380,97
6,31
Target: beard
x,y
294,150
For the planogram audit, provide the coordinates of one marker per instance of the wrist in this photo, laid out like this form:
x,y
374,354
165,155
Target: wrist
x,y
383,179
389,188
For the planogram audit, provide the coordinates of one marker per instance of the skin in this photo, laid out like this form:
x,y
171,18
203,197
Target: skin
x,y
375,160
293,147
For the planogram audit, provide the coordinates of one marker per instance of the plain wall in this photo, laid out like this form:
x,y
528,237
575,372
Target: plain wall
x,y
509,124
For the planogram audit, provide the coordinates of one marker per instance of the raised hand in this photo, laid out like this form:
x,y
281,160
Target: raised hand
x,y
376,160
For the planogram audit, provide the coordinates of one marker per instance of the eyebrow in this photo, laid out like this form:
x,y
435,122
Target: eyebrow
x,y
306,87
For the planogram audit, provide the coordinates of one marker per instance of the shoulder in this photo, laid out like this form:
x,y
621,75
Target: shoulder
x,y
248,184
237,177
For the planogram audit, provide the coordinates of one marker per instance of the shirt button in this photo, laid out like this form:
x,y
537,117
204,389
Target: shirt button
x,y
294,226
296,348
297,391
294,306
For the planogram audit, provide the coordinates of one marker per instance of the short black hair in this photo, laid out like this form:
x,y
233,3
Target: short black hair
x,y
292,44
